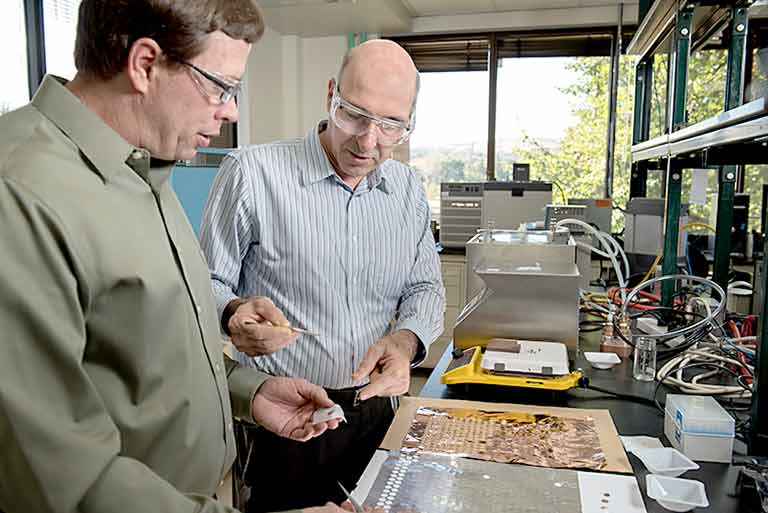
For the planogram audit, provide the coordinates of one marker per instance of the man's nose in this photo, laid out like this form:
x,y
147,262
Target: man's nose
x,y
368,139
228,112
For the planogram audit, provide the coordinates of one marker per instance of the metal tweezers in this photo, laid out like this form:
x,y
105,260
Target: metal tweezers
x,y
292,328
356,506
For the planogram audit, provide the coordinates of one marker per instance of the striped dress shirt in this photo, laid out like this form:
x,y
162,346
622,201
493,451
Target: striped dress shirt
x,y
349,265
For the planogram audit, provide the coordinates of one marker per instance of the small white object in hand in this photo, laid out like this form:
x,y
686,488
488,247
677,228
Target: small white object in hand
x,y
326,414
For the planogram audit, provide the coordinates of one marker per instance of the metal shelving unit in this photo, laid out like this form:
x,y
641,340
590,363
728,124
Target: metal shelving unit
x,y
723,143
689,25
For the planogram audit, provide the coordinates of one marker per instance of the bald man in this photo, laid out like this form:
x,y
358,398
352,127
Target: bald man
x,y
329,234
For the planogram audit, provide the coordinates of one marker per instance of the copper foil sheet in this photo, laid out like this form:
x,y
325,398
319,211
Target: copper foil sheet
x,y
426,483
506,437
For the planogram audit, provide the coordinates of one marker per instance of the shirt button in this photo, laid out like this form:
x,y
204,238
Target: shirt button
x,y
137,155
199,309
217,367
221,483
229,426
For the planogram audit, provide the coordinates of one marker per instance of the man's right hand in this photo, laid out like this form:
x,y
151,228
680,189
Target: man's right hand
x,y
258,327
328,508
332,508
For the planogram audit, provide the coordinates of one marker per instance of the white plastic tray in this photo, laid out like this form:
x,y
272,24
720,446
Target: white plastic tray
x,y
666,461
602,360
676,494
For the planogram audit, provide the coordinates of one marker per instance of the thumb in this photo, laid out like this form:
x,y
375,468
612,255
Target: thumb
x,y
315,393
372,357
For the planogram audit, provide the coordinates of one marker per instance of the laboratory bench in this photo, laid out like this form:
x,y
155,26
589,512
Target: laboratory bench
x,y
631,418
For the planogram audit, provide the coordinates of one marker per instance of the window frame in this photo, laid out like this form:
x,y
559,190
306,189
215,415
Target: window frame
x,y
464,52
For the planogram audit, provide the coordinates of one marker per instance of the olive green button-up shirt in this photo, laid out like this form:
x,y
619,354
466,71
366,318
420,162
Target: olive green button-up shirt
x,y
114,392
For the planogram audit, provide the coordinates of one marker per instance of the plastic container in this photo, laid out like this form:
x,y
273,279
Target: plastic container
x,y
676,494
665,461
699,427
602,360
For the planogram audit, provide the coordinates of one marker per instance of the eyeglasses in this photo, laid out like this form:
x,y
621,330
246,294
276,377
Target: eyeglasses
x,y
356,121
227,89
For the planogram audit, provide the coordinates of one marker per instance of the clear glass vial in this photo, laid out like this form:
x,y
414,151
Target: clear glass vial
x,y
645,359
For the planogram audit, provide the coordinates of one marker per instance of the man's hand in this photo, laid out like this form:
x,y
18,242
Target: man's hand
x,y
328,508
285,407
332,508
388,365
258,327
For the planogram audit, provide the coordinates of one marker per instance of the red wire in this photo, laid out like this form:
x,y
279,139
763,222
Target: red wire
x,y
734,329
742,368
612,294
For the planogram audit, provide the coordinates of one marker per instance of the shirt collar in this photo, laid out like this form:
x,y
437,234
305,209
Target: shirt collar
x,y
101,145
318,167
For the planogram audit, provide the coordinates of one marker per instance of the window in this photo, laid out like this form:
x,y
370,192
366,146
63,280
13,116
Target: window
x,y
705,98
563,133
14,88
705,93
554,67
451,136
755,178
659,100
60,22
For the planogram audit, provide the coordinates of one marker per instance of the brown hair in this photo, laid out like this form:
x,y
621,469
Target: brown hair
x,y
106,29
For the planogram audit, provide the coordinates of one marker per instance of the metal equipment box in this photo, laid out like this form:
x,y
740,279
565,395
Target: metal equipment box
x,y
644,227
512,247
466,207
553,214
531,302
599,211
523,285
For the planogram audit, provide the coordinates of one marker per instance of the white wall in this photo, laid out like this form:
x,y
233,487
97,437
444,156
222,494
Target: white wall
x,y
287,83
265,94
321,57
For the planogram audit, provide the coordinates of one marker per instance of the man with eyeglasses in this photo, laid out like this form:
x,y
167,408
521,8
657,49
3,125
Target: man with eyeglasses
x,y
335,234
114,392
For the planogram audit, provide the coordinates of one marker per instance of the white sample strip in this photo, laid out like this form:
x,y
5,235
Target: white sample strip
x,y
697,193
326,414
609,493
634,443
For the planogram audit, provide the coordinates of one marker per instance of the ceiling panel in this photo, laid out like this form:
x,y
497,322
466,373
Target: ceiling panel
x,y
513,5
453,7
448,7
314,18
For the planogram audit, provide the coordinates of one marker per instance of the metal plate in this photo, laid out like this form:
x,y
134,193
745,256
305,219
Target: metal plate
x,y
445,484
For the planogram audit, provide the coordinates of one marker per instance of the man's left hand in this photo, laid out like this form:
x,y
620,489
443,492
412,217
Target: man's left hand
x,y
285,407
388,365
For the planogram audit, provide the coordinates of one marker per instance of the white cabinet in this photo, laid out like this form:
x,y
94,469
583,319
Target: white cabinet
x,y
455,282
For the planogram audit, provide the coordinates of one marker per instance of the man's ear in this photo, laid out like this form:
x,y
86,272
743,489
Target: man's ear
x,y
331,87
144,57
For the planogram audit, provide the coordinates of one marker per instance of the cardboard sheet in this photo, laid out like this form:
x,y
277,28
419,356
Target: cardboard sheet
x,y
616,458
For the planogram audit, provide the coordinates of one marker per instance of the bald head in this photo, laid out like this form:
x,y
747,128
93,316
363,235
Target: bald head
x,y
379,61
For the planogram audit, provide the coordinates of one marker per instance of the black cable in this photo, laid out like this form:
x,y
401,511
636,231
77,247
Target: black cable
x,y
655,312
690,340
584,383
594,311
591,330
